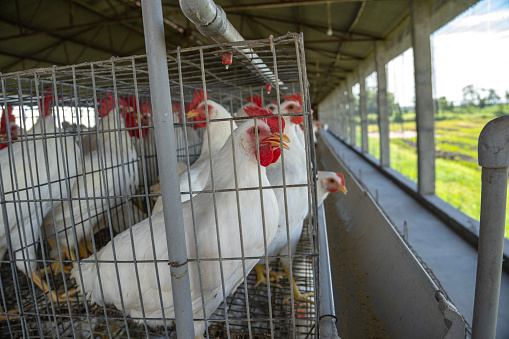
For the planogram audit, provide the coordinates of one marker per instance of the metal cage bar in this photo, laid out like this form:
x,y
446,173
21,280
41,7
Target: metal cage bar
x,y
102,124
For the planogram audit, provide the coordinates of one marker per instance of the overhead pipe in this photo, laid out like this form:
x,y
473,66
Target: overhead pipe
x,y
210,20
494,159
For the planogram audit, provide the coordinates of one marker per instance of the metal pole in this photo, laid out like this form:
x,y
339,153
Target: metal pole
x,y
327,326
168,172
494,159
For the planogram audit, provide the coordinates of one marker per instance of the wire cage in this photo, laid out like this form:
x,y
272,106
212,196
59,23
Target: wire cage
x,y
79,168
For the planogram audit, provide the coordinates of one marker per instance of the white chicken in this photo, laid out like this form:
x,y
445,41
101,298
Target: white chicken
x,y
329,182
36,172
272,106
245,140
110,169
219,131
296,197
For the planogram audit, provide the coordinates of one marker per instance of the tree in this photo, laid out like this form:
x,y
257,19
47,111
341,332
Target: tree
x,y
443,104
492,98
470,96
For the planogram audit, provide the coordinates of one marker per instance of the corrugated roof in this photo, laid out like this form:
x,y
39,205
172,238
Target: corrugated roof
x,y
38,33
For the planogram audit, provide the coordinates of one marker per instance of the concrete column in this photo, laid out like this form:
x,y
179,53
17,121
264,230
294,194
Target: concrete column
x,y
383,109
342,110
363,109
346,117
420,14
351,111
334,113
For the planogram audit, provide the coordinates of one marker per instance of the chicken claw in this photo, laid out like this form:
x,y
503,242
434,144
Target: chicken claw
x,y
10,314
297,295
261,276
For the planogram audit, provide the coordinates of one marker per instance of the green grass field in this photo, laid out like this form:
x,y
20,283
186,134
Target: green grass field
x,y
458,176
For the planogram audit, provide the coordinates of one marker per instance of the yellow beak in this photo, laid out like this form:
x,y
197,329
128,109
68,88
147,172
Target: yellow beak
x,y
276,140
343,189
192,114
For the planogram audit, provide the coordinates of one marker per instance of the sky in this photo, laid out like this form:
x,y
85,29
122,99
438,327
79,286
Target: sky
x,y
473,49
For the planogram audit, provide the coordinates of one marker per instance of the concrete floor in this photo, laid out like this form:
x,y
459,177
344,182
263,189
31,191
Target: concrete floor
x,y
449,258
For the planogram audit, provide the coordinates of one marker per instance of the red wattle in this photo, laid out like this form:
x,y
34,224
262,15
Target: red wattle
x,y
130,122
266,154
276,153
297,120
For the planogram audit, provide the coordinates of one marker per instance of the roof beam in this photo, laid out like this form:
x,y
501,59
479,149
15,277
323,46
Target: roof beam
x,y
66,28
70,39
333,54
272,5
326,41
31,57
318,28
46,48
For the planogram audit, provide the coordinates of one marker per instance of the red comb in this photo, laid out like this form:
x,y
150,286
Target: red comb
x,y
198,97
253,111
46,103
3,125
294,97
342,177
273,122
106,104
3,122
255,99
132,102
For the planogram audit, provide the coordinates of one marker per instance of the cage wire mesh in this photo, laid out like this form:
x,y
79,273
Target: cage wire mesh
x,y
79,167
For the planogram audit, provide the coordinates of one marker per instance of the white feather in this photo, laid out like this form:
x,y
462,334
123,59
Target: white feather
x,y
297,197
29,181
228,224
111,169
199,171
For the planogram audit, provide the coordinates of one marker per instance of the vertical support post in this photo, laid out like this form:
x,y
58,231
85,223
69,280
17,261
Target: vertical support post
x,y
351,110
168,171
363,110
337,113
342,105
494,159
383,109
420,14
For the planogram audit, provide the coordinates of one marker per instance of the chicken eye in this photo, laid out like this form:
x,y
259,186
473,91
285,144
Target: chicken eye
x,y
254,130
331,180
291,107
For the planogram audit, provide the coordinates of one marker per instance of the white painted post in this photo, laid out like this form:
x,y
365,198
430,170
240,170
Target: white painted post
x,y
494,158
420,14
363,109
351,110
383,109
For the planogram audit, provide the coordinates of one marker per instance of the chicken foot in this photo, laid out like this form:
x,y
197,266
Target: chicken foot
x,y
85,248
297,295
10,314
55,267
261,276
36,278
